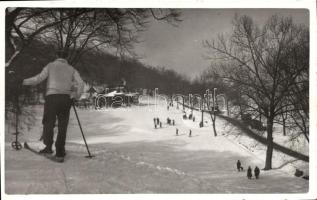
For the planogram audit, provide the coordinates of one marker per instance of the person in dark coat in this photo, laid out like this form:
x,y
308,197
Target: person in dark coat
x,y
190,132
239,167
249,173
256,172
173,122
177,132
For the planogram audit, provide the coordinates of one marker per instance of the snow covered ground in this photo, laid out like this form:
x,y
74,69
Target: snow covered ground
x,y
131,156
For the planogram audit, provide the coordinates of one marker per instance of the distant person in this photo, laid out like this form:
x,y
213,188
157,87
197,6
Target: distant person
x,y
173,122
299,173
160,124
239,167
256,172
190,132
168,121
249,173
63,84
177,132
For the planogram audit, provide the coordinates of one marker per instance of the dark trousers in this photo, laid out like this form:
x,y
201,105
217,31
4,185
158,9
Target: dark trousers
x,y
56,105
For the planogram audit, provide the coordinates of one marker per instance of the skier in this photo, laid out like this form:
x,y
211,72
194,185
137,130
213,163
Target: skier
x,y
177,132
249,173
193,119
190,132
63,84
256,172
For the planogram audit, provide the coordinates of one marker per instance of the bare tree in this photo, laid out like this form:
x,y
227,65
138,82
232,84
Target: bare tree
x,y
21,29
79,29
256,59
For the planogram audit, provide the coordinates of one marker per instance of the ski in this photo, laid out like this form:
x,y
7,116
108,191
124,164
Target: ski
x,y
48,156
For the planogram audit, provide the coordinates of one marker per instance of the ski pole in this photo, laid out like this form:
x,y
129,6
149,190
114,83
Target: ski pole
x,y
82,133
16,144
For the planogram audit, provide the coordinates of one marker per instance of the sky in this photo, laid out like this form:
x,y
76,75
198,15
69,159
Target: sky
x,y
180,48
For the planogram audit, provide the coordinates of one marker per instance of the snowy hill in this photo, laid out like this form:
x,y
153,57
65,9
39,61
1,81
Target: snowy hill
x,y
134,157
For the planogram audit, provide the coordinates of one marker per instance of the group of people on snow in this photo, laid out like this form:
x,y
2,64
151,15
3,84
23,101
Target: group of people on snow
x,y
249,171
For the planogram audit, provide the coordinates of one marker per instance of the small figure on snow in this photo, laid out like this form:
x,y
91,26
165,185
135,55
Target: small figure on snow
x,y
157,121
177,132
249,173
173,122
160,124
190,132
256,172
239,167
201,124
155,126
298,173
193,119
154,119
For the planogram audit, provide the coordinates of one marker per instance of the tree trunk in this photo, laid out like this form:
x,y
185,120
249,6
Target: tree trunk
x,y
214,127
284,126
213,119
269,151
228,112
9,22
183,103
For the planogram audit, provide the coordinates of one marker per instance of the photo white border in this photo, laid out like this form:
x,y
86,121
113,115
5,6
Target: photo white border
x,y
306,4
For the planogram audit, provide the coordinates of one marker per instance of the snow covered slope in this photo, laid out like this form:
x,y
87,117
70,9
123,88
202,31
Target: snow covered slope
x,y
134,157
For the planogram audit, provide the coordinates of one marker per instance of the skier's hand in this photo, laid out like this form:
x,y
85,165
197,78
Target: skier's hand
x,y
73,100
